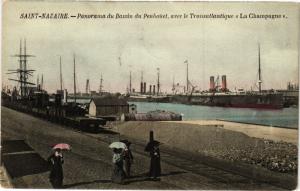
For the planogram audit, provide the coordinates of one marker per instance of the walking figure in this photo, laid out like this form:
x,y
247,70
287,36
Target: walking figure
x,y
118,172
56,174
155,169
128,158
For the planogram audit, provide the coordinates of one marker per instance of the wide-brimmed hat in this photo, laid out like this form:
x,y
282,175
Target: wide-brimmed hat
x,y
127,143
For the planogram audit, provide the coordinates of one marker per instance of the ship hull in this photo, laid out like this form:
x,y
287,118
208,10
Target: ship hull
x,y
259,106
150,99
264,101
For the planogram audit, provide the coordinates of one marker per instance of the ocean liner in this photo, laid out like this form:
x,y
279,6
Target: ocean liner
x,y
266,100
216,95
242,99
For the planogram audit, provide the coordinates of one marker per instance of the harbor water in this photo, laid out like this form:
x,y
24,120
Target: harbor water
x,y
286,117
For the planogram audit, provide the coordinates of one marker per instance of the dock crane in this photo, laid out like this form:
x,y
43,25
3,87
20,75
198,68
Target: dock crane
x,y
192,91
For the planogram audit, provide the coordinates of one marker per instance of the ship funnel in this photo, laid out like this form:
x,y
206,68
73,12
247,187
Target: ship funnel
x,y
141,91
224,83
150,89
212,84
153,89
144,89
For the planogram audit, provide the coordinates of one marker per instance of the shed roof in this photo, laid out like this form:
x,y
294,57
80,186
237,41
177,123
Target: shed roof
x,y
109,100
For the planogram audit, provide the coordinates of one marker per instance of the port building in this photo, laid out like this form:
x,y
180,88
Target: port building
x,y
108,106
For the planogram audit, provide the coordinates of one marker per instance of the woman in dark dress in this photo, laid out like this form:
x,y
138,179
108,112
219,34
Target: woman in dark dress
x,y
56,174
155,169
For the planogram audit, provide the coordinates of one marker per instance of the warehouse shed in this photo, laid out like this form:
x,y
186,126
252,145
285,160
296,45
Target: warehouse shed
x,y
108,106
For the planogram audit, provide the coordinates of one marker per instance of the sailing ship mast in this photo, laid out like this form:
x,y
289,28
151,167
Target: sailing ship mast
x,y
42,82
74,81
158,83
22,71
173,86
259,70
21,68
187,76
38,83
25,69
130,83
61,90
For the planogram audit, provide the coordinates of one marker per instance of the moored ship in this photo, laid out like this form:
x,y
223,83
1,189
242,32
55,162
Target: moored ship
x,y
150,98
217,95
224,98
266,100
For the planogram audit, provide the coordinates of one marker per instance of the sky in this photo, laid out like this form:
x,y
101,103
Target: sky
x,y
114,47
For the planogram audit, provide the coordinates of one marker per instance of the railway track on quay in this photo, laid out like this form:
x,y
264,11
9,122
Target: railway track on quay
x,y
182,160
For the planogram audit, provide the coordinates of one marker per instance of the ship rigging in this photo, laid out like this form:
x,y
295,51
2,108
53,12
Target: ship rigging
x,y
23,72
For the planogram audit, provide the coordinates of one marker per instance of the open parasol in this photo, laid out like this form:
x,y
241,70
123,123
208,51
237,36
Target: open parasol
x,y
117,145
62,146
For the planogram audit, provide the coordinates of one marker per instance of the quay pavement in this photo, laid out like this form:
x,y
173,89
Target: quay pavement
x,y
27,141
4,179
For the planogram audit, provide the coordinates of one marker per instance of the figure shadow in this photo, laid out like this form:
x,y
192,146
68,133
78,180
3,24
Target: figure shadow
x,y
105,131
145,174
85,183
173,173
100,131
145,177
129,181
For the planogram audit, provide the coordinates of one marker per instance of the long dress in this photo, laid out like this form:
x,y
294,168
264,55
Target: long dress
x,y
118,172
128,158
56,173
155,169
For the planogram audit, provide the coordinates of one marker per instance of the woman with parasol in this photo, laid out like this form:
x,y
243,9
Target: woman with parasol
x,y
118,172
56,160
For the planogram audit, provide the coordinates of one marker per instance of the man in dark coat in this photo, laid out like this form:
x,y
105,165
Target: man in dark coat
x,y
128,158
56,174
155,169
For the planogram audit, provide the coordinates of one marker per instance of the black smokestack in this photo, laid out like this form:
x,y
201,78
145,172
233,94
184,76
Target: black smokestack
x,y
141,89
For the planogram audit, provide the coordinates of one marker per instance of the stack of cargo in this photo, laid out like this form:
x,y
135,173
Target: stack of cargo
x,y
157,115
